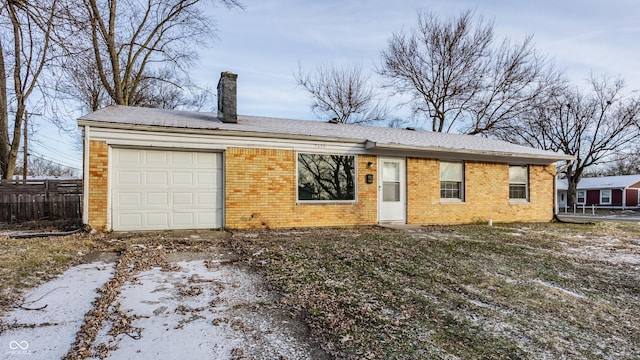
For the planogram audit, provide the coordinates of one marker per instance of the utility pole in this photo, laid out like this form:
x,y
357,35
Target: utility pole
x,y
24,153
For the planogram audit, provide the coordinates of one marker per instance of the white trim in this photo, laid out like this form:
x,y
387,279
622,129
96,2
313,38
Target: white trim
x,y
578,197
460,199
526,186
204,141
403,189
85,174
610,197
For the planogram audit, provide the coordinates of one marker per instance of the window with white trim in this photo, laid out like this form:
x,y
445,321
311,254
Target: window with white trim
x,y
605,197
518,182
324,177
581,197
451,180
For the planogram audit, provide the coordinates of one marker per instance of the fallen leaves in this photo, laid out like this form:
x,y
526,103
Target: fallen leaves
x,y
457,291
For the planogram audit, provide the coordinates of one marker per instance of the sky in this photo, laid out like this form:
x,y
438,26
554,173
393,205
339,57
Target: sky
x,y
269,40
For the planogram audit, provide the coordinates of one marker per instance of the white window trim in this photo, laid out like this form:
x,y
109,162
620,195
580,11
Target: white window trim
x,y
610,196
459,200
526,189
355,185
583,197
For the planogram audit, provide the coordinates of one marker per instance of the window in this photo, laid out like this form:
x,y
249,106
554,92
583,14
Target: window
x,y
451,180
326,177
518,182
581,196
391,181
605,197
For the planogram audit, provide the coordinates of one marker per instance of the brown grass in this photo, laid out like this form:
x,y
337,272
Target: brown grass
x,y
513,291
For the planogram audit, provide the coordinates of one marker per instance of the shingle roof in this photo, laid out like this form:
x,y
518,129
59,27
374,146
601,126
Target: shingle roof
x,y
603,182
374,137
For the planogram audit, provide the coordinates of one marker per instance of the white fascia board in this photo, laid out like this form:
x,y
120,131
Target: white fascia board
x,y
464,154
208,141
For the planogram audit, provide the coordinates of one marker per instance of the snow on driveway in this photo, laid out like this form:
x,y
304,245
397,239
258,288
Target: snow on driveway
x,y
196,307
46,323
201,313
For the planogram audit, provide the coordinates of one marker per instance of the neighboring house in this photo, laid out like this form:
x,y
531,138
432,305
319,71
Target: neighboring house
x,y
606,191
163,169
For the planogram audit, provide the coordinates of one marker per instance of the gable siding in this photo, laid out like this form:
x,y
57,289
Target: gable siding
x,y
616,197
632,197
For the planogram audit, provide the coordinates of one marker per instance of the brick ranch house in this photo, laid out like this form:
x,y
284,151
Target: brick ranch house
x,y
615,192
154,169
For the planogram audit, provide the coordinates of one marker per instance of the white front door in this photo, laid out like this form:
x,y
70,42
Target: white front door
x,y
392,190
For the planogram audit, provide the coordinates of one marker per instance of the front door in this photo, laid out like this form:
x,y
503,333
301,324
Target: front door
x,y
392,190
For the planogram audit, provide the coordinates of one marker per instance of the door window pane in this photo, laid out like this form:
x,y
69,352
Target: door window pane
x,y
390,181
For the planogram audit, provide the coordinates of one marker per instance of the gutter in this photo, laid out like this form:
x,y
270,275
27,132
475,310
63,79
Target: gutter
x,y
443,152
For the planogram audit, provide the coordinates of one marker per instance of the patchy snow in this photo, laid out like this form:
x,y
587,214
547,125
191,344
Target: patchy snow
x,y
202,309
49,331
558,289
202,313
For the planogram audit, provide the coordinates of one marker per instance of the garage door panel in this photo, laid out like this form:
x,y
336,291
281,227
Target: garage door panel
x,y
156,178
130,221
128,157
156,158
184,160
182,178
162,189
158,219
183,199
183,219
128,177
129,199
157,199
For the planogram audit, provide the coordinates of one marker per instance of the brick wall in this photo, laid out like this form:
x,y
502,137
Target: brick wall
x,y
260,192
486,194
98,184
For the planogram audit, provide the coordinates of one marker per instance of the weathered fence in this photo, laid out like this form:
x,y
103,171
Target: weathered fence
x,y
40,200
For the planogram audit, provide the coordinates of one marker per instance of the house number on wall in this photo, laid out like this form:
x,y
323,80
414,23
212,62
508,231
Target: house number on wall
x,y
320,146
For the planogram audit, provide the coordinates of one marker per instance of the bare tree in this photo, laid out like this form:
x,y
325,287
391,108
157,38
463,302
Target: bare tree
x,y
26,29
137,47
39,166
624,163
588,125
458,79
342,93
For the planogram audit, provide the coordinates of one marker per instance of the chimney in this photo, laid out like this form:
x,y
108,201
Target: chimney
x,y
227,99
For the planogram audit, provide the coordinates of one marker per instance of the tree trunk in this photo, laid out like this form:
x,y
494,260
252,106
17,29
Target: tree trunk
x,y
5,146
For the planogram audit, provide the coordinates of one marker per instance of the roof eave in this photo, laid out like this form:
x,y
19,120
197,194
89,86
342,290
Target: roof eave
x,y
216,130
452,153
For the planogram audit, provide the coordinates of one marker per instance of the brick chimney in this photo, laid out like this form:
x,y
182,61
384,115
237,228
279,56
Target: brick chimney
x,y
227,98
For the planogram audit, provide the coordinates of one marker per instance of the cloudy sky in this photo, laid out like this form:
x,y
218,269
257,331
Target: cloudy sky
x,y
265,44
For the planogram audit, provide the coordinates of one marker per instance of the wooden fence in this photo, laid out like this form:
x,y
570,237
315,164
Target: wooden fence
x,y
40,200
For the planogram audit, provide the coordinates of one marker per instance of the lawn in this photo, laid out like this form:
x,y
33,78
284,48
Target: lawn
x,y
505,292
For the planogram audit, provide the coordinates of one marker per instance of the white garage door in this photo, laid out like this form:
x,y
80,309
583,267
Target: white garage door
x,y
161,189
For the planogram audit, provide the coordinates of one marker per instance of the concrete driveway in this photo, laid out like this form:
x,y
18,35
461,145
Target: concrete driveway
x,y
151,302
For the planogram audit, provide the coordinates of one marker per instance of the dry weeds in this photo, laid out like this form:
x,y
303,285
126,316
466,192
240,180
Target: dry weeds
x,y
543,291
